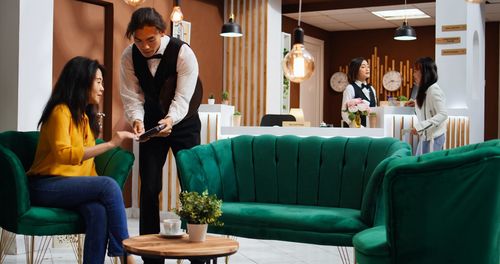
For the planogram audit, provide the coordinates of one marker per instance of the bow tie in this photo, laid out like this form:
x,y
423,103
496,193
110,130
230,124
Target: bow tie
x,y
364,86
156,56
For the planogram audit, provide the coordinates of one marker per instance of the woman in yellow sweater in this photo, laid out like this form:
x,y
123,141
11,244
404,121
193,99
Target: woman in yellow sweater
x,y
61,174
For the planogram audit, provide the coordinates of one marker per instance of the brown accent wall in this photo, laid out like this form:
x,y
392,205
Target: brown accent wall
x,y
491,75
79,30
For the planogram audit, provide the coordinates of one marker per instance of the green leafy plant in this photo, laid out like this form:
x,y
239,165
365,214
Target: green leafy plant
x,y
211,96
402,98
225,95
236,113
200,208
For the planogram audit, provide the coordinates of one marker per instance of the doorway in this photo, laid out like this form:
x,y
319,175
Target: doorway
x,y
311,90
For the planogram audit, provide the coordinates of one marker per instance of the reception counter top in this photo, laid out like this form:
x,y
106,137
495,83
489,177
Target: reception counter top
x,y
227,132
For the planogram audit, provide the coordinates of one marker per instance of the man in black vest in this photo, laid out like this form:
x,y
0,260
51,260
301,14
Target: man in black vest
x,y
159,85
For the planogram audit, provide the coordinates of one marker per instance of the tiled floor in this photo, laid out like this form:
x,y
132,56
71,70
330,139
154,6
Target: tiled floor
x,y
251,251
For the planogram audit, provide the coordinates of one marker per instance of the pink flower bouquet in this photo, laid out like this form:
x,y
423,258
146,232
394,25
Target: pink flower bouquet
x,y
357,106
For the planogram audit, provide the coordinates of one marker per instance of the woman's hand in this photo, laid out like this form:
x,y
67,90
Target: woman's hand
x,y
119,136
414,131
168,122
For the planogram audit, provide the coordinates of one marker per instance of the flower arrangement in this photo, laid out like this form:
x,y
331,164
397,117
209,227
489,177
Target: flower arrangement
x,y
200,208
357,107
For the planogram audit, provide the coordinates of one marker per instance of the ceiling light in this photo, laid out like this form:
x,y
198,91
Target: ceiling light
x,y
298,64
133,3
176,16
405,32
231,29
401,14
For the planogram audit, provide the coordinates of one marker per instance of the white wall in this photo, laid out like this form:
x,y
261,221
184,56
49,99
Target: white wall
x,y
462,76
273,95
26,51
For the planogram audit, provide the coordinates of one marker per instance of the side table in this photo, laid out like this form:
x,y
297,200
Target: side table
x,y
156,246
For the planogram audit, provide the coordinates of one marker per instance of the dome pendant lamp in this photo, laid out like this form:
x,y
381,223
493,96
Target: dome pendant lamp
x,y
298,64
231,29
405,31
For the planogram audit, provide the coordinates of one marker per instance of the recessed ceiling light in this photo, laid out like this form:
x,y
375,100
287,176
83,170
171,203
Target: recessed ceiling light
x,y
400,14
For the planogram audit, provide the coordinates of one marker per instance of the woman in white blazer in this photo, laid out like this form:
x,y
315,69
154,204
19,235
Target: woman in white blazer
x,y
430,108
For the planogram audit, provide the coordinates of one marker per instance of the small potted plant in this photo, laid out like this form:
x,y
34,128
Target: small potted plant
x,y
199,211
236,118
211,99
402,100
225,97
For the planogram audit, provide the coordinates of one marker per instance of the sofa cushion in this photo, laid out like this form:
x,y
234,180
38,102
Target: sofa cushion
x,y
293,217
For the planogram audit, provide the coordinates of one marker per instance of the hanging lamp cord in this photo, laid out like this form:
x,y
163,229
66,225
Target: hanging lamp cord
x,y
300,11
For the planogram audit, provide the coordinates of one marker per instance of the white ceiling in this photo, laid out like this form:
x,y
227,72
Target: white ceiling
x,y
362,18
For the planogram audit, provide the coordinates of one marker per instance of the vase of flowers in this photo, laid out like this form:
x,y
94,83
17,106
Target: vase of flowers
x,y
356,108
199,211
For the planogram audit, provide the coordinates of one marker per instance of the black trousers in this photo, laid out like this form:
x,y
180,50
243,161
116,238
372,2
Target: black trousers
x,y
152,157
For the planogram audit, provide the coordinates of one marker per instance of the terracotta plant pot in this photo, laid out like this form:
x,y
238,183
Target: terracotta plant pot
x,y
197,233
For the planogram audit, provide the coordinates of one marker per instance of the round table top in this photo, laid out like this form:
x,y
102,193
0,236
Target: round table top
x,y
180,247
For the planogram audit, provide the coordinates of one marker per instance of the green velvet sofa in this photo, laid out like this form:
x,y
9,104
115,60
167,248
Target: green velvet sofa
x,y
311,189
442,207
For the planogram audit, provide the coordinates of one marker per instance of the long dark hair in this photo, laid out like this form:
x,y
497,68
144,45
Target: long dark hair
x,y
146,16
354,66
72,89
428,69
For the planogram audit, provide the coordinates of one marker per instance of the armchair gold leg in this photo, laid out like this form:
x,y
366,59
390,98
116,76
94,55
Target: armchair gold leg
x,y
6,240
29,245
344,254
79,256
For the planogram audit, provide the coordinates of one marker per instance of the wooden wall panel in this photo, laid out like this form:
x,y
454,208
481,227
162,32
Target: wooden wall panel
x,y
244,60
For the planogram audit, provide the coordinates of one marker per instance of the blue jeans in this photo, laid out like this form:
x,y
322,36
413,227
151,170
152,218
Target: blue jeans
x,y
424,146
98,199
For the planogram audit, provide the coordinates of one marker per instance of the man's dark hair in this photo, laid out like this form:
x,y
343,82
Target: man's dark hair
x,y
354,66
146,16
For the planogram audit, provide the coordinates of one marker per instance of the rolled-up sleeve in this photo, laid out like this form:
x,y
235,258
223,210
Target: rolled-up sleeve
x,y
130,91
187,76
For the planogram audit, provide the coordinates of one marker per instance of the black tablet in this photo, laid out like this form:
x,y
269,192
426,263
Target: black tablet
x,y
153,131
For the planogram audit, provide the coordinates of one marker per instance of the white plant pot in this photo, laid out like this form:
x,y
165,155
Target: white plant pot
x,y
197,233
236,120
211,101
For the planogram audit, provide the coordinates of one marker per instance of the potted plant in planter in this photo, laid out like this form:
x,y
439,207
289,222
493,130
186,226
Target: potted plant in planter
x,y
402,100
236,118
211,99
199,211
225,97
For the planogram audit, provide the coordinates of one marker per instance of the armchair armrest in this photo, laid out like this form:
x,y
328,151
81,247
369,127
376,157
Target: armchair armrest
x,y
115,163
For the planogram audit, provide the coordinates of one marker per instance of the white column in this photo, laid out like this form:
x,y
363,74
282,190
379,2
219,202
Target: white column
x,y
274,55
26,51
462,77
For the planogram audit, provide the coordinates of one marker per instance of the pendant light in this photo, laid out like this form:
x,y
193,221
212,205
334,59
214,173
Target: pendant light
x,y
405,31
133,3
231,29
298,64
176,16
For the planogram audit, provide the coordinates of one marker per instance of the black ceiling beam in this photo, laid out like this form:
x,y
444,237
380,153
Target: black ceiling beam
x,y
311,5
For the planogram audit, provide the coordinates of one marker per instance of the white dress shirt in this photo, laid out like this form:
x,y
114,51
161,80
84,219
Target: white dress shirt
x,y
133,96
349,95
432,115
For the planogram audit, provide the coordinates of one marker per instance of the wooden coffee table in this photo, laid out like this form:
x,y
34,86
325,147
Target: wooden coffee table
x,y
156,246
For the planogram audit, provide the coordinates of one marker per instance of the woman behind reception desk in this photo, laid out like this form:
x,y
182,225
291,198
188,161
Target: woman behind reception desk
x,y
358,74
430,108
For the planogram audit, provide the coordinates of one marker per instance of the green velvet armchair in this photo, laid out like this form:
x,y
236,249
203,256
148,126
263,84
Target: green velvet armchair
x,y
442,207
17,151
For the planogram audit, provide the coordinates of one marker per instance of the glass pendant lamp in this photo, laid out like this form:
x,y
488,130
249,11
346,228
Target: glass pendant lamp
x,y
176,16
133,3
298,64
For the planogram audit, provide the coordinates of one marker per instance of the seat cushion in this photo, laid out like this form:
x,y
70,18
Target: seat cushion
x,y
293,217
41,221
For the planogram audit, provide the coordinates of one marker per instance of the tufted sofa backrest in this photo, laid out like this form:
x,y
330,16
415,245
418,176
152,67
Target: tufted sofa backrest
x,y
287,169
